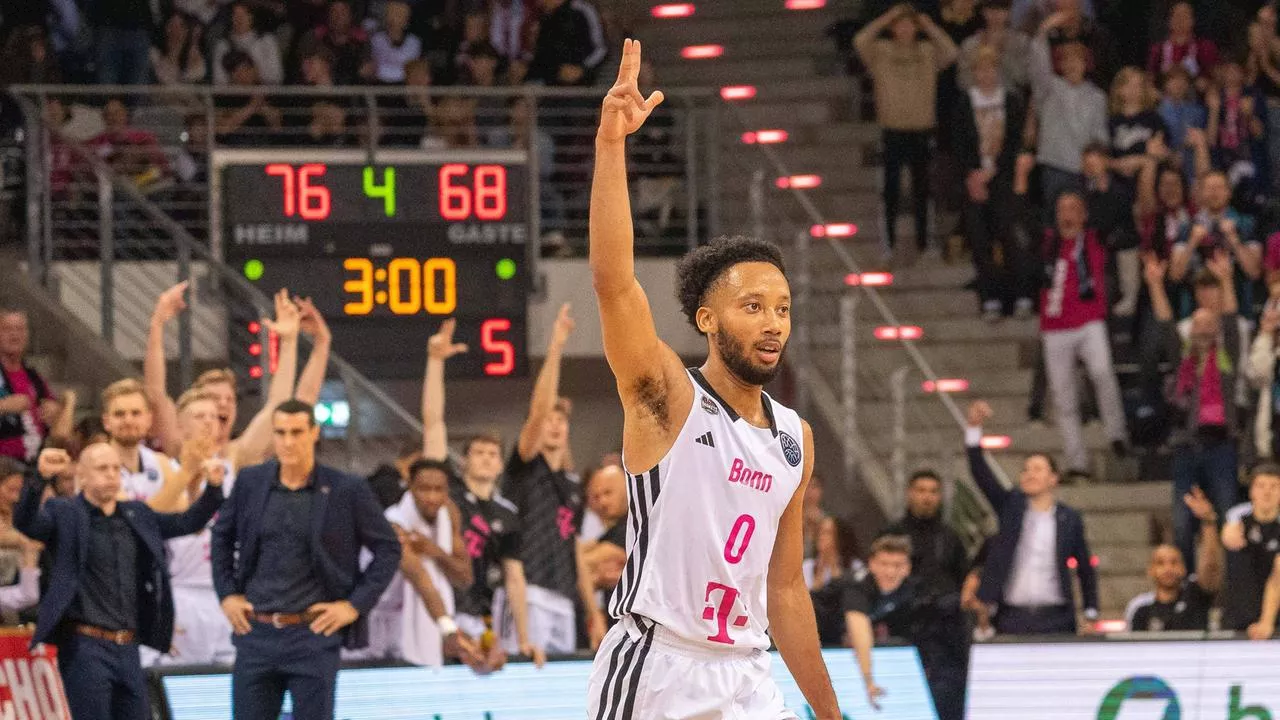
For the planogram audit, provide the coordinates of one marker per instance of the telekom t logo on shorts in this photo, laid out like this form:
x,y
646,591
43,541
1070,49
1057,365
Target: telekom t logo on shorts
x,y
741,474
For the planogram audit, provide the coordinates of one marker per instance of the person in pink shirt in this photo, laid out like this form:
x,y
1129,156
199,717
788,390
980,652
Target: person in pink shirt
x,y
1073,326
26,402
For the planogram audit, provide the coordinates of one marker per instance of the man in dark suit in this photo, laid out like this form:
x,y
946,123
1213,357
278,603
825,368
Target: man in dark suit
x,y
286,564
1040,540
109,586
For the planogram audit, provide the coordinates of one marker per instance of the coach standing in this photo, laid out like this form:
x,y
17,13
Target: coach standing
x,y
109,586
286,565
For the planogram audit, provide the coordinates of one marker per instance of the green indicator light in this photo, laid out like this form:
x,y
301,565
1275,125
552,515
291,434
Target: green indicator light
x,y
253,269
506,268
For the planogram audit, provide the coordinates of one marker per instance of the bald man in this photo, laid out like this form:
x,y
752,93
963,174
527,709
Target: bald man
x,y
109,589
607,498
1179,601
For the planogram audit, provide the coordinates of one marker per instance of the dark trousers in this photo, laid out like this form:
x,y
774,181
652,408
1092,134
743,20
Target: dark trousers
x,y
1045,620
271,660
122,56
1212,467
910,149
104,681
991,227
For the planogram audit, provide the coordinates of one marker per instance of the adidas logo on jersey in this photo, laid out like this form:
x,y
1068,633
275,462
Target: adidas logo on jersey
x,y
706,440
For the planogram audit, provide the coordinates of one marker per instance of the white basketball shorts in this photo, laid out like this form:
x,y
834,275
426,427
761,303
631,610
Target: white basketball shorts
x,y
645,672
201,632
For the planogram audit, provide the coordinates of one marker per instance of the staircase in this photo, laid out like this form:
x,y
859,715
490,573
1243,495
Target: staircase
x,y
802,88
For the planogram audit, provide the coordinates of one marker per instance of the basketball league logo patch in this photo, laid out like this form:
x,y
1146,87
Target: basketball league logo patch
x,y
790,449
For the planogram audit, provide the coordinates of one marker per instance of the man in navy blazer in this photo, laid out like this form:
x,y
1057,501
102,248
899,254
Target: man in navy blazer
x,y
109,586
1028,569
286,565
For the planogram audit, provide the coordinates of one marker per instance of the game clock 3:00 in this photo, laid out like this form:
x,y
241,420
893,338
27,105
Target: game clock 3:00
x,y
387,251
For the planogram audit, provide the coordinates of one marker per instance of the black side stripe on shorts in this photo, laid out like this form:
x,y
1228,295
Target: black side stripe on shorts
x,y
642,543
633,690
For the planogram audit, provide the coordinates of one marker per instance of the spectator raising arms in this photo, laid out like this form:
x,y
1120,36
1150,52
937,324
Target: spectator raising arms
x,y
1073,311
1027,572
345,40
243,36
1011,46
1179,601
905,72
27,405
1072,111
180,60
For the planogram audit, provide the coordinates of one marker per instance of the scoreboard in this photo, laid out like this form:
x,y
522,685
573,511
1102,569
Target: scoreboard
x,y
389,250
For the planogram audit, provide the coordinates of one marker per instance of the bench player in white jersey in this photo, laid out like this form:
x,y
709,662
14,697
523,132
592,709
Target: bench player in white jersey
x,y
201,632
717,473
146,475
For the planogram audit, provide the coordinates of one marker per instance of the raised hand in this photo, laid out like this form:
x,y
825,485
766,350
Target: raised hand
x,y
1153,269
170,303
979,413
563,327
288,321
1199,505
1220,265
52,463
625,109
441,345
311,322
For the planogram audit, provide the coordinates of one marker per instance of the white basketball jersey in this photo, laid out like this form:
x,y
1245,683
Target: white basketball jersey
x,y
189,561
702,523
149,478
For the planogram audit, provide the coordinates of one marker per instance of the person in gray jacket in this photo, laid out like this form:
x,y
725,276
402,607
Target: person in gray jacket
x,y
1072,111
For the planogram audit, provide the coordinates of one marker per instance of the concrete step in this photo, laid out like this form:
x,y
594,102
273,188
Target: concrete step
x,y
931,275
928,409
704,29
716,9
1132,528
1152,496
665,48
966,329
1120,560
984,384
736,71
835,88
792,113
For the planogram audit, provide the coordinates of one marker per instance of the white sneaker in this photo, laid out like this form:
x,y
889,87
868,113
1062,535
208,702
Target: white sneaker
x,y
1024,309
992,311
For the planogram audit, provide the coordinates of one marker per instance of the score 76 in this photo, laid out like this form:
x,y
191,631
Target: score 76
x,y
721,610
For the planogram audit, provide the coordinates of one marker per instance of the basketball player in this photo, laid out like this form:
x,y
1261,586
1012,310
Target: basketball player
x,y
201,632
146,475
253,445
717,472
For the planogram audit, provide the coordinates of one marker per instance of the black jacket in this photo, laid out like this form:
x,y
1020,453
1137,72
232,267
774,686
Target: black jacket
x,y
938,557
345,518
968,142
11,423
63,525
1011,507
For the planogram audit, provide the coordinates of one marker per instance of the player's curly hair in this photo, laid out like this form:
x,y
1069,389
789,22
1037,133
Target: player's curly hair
x,y
698,271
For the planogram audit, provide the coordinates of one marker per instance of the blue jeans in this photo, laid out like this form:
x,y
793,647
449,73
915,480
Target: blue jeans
x,y
1213,468
271,660
123,56
104,681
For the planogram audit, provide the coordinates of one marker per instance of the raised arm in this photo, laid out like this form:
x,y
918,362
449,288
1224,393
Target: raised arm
x,y
1209,560
1153,272
791,620
1262,352
169,498
312,324
253,444
646,369
435,435
997,494
30,516
866,37
944,48
154,371
63,425
546,389
195,518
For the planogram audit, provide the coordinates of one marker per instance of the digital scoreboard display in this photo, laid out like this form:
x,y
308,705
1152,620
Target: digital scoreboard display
x,y
388,251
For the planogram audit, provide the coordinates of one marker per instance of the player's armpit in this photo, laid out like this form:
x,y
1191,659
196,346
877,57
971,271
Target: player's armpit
x,y
651,379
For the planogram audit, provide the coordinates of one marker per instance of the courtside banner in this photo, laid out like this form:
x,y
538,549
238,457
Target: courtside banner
x,y
556,692
1126,680
30,685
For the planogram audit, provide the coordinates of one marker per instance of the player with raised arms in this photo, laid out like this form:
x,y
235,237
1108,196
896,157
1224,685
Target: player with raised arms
x,y
716,472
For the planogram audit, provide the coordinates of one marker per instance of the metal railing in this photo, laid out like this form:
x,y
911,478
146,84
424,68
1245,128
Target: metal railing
x,y
883,469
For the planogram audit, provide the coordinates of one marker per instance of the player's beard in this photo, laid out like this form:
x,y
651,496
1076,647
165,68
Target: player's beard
x,y
736,357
